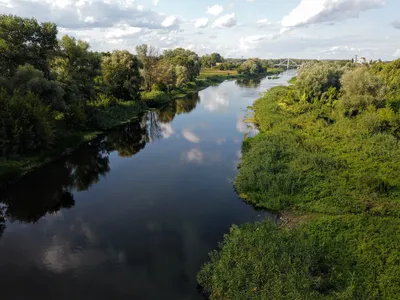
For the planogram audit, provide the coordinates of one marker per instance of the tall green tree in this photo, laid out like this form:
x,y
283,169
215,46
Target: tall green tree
x,y
25,41
184,58
148,58
77,67
121,74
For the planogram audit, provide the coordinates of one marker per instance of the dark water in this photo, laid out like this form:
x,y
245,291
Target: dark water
x,y
134,214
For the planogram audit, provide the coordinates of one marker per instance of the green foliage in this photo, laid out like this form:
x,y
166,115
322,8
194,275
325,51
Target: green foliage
x,y
121,75
184,58
77,67
210,60
252,67
315,79
351,257
28,79
155,98
25,41
312,158
25,124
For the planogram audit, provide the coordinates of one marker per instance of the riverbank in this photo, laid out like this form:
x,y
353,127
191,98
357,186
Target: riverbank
x,y
335,178
107,115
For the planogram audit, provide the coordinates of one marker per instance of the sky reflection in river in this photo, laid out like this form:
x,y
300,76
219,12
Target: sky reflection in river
x,y
133,214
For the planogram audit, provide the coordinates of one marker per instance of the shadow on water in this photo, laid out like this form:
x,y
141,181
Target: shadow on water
x,y
50,189
249,82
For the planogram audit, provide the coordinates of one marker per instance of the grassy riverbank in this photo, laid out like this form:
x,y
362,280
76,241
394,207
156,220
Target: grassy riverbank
x,y
326,154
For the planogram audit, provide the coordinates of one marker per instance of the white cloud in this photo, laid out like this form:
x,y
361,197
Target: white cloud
x,y
155,2
170,21
201,23
190,136
122,31
397,53
225,21
251,41
263,23
215,10
74,14
321,11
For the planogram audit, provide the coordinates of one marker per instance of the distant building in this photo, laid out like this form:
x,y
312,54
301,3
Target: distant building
x,y
360,60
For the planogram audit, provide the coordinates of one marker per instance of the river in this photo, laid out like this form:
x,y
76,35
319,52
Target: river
x,y
133,214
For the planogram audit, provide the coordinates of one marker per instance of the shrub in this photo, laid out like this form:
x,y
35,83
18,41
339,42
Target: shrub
x,y
352,257
155,98
26,125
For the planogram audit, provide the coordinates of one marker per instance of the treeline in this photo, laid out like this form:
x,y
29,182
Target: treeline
x,y
327,158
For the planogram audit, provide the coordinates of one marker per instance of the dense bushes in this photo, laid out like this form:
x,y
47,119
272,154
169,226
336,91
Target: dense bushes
x,y
329,145
26,125
314,157
351,257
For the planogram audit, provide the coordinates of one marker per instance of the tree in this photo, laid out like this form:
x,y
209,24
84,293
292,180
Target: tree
x,y
182,75
148,58
121,74
25,124
251,67
210,60
27,79
361,89
165,75
184,58
316,78
77,67
24,41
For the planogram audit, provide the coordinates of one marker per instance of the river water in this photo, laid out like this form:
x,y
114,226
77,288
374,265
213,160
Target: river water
x,y
133,214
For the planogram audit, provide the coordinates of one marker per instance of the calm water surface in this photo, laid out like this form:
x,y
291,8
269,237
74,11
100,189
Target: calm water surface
x,y
133,214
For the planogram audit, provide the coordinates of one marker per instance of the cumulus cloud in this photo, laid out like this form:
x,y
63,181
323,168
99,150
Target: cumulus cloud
x,y
170,21
215,10
74,14
226,21
251,41
321,11
201,23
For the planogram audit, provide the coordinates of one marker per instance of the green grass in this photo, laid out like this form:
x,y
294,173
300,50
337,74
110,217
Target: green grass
x,y
340,257
306,161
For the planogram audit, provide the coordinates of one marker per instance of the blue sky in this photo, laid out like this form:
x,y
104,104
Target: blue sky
x,y
234,28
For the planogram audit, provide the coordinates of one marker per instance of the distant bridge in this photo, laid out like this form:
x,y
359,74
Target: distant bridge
x,y
288,63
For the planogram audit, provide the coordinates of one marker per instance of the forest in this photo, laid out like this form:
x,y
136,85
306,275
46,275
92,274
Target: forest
x,y
56,94
327,160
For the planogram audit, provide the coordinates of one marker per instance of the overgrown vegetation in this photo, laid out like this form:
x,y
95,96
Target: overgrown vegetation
x,y
348,257
328,145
